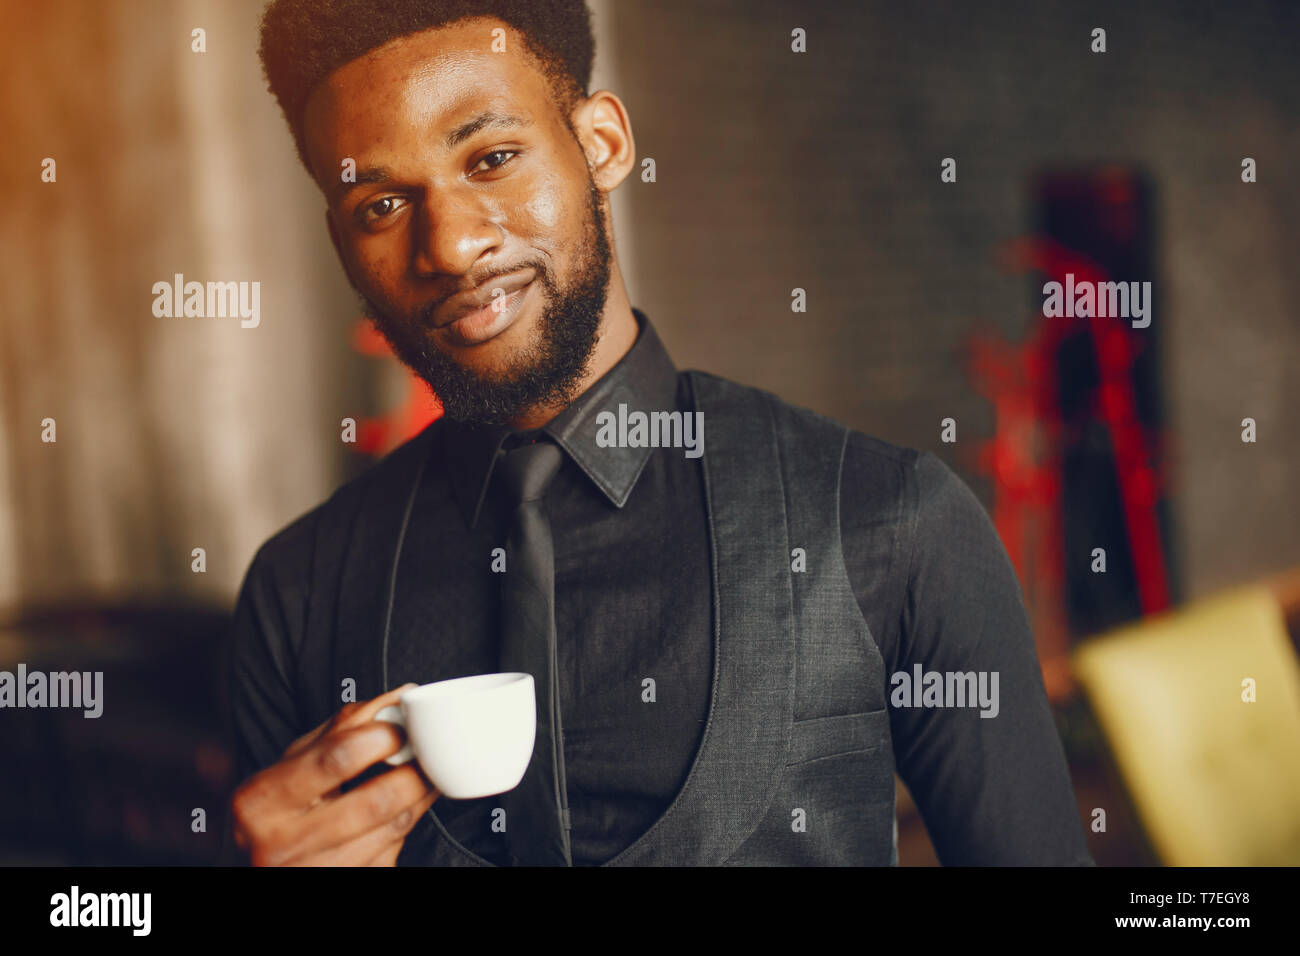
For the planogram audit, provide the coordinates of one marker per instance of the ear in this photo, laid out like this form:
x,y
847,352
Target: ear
x,y
605,132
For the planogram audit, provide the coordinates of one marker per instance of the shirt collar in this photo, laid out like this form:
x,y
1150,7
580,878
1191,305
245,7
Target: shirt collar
x,y
645,378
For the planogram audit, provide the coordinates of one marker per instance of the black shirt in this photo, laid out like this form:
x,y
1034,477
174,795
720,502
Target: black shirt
x,y
633,606
629,605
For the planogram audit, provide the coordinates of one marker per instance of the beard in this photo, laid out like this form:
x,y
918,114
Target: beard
x,y
548,370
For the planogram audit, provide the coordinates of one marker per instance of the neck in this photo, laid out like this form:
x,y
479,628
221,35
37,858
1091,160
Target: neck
x,y
614,338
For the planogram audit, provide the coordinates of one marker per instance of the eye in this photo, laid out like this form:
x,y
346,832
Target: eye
x,y
495,159
372,212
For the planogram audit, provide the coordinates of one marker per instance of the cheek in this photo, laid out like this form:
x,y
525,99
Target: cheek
x,y
542,212
554,204
377,263
552,220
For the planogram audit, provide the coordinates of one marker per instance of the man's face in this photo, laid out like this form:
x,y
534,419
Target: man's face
x,y
474,230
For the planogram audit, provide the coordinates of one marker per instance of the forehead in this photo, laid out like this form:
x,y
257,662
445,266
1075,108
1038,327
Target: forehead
x,y
417,87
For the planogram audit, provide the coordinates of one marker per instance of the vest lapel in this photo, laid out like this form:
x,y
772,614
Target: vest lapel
x,y
373,548
738,767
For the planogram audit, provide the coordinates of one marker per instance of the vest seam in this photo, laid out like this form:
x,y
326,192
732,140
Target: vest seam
x,y
912,500
769,402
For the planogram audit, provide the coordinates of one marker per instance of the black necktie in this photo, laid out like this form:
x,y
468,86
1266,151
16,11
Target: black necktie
x,y
537,811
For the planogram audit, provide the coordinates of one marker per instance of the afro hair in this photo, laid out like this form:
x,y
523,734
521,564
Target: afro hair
x,y
303,41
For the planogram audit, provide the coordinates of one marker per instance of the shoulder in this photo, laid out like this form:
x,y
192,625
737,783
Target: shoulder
x,y
722,392
881,476
286,555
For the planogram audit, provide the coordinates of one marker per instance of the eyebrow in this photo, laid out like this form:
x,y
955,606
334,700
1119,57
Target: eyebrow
x,y
487,120
371,174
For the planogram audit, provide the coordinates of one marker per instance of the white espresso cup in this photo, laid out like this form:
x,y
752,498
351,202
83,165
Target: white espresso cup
x,y
473,736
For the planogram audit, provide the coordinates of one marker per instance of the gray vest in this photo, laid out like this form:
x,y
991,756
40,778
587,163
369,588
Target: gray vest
x,y
796,764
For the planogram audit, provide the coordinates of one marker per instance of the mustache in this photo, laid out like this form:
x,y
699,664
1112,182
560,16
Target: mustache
x,y
424,314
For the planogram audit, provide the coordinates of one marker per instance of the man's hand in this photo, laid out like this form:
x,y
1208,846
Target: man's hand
x,y
292,813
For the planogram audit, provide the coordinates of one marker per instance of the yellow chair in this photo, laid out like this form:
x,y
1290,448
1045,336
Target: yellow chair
x,y
1215,780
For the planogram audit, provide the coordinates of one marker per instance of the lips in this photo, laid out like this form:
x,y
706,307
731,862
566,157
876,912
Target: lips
x,y
463,303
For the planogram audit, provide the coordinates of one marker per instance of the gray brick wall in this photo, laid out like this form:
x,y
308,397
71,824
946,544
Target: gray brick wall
x,y
821,170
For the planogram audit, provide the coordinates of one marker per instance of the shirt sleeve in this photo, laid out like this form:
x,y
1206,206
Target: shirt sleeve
x,y
989,778
264,717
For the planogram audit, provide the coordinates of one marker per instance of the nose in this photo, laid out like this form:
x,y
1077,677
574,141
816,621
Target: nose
x,y
452,233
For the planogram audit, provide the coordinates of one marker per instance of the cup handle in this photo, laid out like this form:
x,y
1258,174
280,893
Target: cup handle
x,y
393,715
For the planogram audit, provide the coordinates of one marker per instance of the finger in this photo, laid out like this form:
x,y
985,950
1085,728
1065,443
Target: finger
x,y
373,805
389,854
307,739
348,715
366,710
296,783
303,778
365,845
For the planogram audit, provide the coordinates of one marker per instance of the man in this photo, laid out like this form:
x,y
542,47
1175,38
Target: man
x,y
723,642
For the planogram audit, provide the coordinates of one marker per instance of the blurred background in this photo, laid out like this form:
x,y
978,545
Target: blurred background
x,y
1172,672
